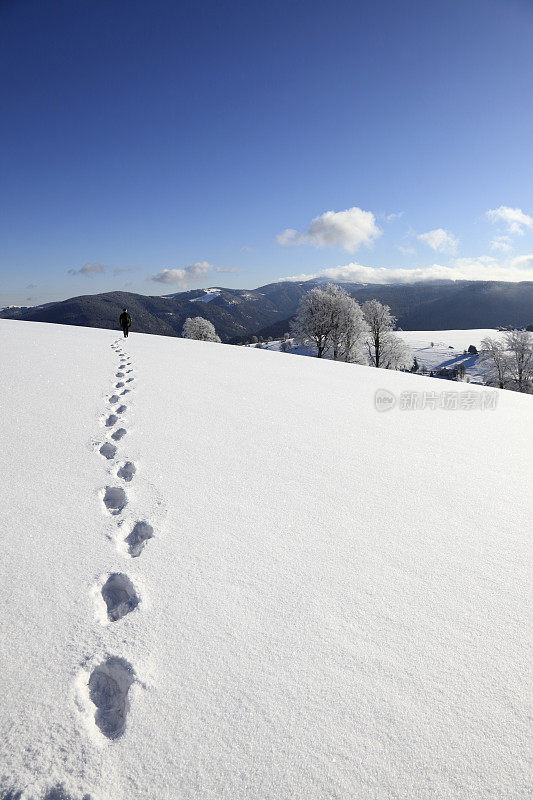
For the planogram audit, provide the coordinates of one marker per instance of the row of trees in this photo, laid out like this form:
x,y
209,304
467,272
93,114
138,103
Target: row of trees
x,y
508,363
333,322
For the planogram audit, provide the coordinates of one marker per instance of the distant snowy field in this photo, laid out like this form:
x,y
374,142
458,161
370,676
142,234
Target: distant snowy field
x,y
447,350
269,591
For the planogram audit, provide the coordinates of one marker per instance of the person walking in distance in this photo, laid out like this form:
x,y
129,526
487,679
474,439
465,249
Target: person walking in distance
x,y
125,321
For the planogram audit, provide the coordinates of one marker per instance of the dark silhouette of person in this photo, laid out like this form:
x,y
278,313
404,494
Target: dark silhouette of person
x,y
125,321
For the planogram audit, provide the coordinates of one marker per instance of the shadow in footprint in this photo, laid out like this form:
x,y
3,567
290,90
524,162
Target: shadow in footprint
x,y
114,399
118,434
121,409
115,499
108,450
141,532
125,391
119,375
111,420
129,380
108,689
119,596
127,471
128,371
119,385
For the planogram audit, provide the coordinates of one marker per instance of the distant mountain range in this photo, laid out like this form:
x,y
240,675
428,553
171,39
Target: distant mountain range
x,y
238,314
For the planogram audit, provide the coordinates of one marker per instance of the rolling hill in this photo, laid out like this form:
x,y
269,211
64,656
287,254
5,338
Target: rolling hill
x,y
237,314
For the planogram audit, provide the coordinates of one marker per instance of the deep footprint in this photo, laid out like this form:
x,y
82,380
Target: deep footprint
x,y
125,391
108,450
108,689
114,399
141,532
119,433
119,596
127,471
119,385
119,375
121,409
111,420
129,380
115,499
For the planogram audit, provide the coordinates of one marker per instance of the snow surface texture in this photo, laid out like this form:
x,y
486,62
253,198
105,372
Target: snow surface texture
x,y
447,351
300,598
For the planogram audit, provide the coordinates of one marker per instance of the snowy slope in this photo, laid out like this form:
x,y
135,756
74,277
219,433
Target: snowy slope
x,y
332,604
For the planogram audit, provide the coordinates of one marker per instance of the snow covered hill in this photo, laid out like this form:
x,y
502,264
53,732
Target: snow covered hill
x,y
225,574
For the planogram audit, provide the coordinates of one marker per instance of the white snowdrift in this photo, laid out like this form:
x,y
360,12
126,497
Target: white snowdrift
x,y
325,601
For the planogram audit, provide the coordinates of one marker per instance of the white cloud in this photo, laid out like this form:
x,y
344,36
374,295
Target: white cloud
x,y
502,243
348,229
483,268
439,240
182,277
514,219
87,269
393,216
229,270
523,262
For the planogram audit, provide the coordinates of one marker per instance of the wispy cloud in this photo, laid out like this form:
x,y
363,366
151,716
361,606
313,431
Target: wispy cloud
x,y
482,268
502,243
229,270
120,270
87,269
246,249
439,240
348,229
514,220
394,215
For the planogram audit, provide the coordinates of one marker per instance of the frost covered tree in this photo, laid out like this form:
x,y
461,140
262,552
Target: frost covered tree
x,y
494,362
285,346
349,327
519,346
314,320
200,329
384,348
332,321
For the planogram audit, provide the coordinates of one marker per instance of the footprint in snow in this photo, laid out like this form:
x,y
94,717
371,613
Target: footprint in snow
x,y
108,450
128,371
118,434
135,540
119,375
111,420
119,385
108,689
121,409
114,399
115,499
127,471
124,392
129,380
119,596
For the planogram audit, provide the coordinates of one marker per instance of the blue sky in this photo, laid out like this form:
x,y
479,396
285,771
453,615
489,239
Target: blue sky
x,y
234,143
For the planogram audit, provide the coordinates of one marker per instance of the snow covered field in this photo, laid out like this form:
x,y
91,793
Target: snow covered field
x,y
268,591
447,350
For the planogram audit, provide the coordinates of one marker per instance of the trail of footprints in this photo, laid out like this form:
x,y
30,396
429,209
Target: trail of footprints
x,y
110,681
